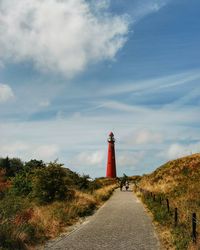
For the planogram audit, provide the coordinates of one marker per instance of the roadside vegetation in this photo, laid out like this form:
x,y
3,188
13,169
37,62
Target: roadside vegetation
x,y
179,182
38,201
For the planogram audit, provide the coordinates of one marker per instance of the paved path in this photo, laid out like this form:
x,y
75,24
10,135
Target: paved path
x,y
120,224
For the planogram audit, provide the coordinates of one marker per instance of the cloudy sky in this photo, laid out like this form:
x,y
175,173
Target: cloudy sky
x,y
71,71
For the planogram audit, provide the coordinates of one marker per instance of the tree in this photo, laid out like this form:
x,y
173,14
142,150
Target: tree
x,y
16,165
22,182
49,184
5,164
34,164
12,166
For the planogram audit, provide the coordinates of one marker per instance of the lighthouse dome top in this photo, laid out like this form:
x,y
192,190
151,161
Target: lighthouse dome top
x,y
111,134
111,137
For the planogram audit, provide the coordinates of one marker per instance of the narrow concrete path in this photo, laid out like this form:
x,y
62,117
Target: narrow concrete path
x,y
120,224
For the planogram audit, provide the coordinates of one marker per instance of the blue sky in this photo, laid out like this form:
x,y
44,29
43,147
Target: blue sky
x,y
71,71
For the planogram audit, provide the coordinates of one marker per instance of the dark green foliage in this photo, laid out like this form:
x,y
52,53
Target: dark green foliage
x,y
22,184
8,241
50,184
12,166
5,164
72,177
31,165
83,182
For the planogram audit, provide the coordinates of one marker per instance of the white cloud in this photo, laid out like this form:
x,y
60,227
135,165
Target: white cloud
x,y
28,151
144,7
6,93
145,136
178,150
151,85
46,152
13,149
60,36
129,159
142,138
91,158
95,161
116,105
103,4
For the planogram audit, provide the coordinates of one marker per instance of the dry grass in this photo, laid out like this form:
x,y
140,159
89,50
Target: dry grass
x,y
104,193
178,180
53,219
27,223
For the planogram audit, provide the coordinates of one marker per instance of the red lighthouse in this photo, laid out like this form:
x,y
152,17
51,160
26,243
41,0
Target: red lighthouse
x,y
111,164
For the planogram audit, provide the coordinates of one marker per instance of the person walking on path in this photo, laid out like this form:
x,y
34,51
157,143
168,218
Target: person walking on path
x,y
121,185
127,185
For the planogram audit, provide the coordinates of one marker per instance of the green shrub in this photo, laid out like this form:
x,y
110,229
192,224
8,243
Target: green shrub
x,y
83,182
49,184
22,184
31,165
11,166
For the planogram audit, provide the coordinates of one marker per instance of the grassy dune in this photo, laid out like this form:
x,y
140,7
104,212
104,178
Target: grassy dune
x,y
179,181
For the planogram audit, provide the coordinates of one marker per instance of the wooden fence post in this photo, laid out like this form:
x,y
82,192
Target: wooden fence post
x,y
176,217
167,205
194,226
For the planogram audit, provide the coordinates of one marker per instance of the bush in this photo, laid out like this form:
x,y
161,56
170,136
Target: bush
x,y
50,184
12,166
31,165
22,184
83,182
